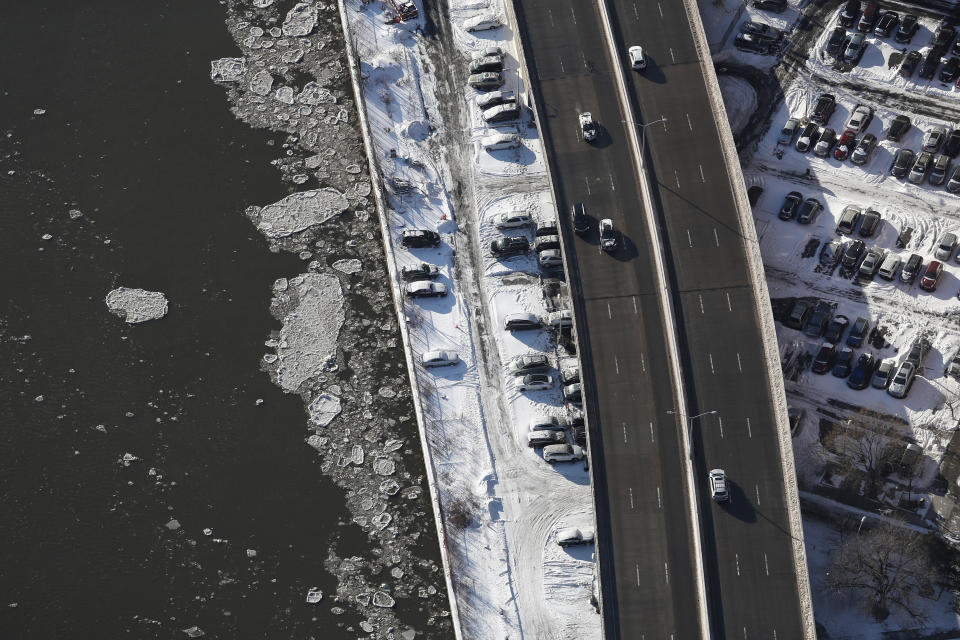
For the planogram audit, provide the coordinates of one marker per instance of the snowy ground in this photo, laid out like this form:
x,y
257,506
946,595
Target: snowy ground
x,y
500,501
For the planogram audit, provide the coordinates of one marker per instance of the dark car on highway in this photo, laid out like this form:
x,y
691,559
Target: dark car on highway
x,y
809,211
908,27
790,205
902,161
886,24
870,223
417,238
909,64
824,358
851,255
817,324
579,219
862,372
823,109
899,126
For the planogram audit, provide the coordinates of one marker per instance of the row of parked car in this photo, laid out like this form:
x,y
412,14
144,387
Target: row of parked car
x,y
496,105
926,65
757,37
848,48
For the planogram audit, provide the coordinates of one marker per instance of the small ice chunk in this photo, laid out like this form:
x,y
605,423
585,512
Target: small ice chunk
x,y
366,626
392,445
386,392
362,598
396,572
47,236
384,466
228,69
136,305
389,487
314,595
39,112
348,266
194,632
314,94
300,211
128,459
323,409
292,56
74,214
208,531
262,4
300,20
261,83
251,553
173,525
382,599
300,178
313,162
285,95
270,358
256,32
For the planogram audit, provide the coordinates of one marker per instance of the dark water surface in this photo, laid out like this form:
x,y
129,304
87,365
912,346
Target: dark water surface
x,y
137,138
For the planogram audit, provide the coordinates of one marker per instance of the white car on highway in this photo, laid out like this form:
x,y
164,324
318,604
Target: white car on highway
x,y
637,59
588,126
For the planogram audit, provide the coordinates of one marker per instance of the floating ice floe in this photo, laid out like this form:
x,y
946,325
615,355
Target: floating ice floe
x,y
194,632
261,83
382,599
300,20
314,595
308,338
228,69
136,305
348,266
262,4
300,211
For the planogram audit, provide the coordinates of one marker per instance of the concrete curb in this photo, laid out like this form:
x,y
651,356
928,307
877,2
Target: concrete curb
x,y
669,318
764,315
382,214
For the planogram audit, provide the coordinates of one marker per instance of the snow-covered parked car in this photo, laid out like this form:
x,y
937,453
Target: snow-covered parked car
x,y
530,363
425,289
550,259
562,453
422,271
548,423
588,126
790,130
439,358
486,80
500,141
502,113
512,220
570,536
482,22
562,318
486,63
534,382
495,98
538,439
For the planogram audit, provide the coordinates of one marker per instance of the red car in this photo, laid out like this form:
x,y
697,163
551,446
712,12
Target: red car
x,y
825,357
844,144
931,276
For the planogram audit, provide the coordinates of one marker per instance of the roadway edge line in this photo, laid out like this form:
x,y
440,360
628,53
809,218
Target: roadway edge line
x,y
764,314
382,211
669,318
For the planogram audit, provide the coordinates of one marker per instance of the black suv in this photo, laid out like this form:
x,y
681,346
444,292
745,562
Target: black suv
x,y
902,162
771,5
899,126
809,211
851,255
952,146
849,13
950,70
579,219
870,223
930,63
788,210
887,23
509,246
837,42
417,238
824,109
817,324
907,29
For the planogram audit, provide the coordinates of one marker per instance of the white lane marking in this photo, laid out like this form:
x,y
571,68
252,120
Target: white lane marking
x,y
643,363
573,14
676,176
666,572
720,420
659,499
625,434
744,633
631,497
616,364
609,313
729,306
716,238
737,556
663,119
636,12
613,187
651,432
689,124
671,55
635,312
552,23
560,60
700,297
766,565
749,432
587,180
712,370
774,634
659,8
689,239
739,364
702,179
638,574
757,487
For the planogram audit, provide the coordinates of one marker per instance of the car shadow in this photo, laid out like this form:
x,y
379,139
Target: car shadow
x,y
627,251
739,505
653,73
453,372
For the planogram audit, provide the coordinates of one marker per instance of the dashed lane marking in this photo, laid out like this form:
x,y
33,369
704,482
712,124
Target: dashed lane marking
x,y
700,297
651,432
660,9
587,180
729,304
616,364
631,497
720,420
739,363
766,565
702,179
609,312
757,487
659,499
689,238
737,557
689,124
749,432
712,370
716,238
624,432
672,58
635,312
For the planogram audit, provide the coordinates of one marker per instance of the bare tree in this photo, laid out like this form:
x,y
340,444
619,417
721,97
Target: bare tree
x,y
887,567
868,447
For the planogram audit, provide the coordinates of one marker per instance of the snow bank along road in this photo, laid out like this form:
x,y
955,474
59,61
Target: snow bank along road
x,y
753,558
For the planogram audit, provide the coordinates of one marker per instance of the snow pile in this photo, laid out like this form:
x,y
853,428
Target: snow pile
x,y
740,100
136,305
308,339
300,211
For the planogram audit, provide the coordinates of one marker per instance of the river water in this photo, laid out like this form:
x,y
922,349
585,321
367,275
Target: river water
x,y
152,478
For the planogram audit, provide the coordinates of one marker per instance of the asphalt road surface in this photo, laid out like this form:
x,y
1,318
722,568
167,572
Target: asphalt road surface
x,y
648,578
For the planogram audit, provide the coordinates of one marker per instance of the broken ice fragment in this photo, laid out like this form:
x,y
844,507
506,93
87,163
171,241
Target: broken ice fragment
x,y
173,525
382,599
251,553
314,595
208,531
300,20
366,626
314,94
300,211
363,598
261,83
384,466
382,521
128,459
193,632
227,69
348,266
389,487
136,305
74,214
285,94
324,409
39,112
392,445
262,4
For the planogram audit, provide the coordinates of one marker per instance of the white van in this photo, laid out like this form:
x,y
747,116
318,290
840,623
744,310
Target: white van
x,y
499,141
891,264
